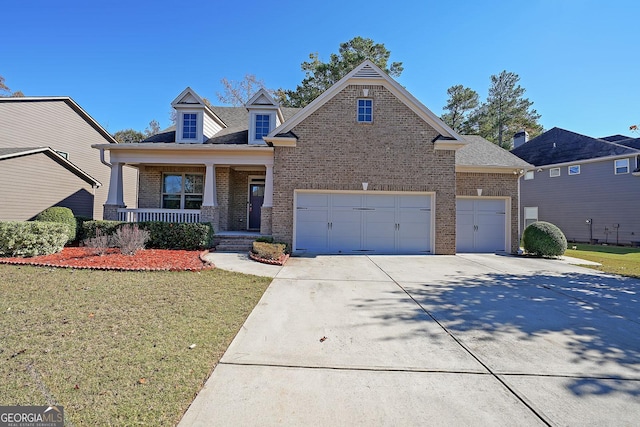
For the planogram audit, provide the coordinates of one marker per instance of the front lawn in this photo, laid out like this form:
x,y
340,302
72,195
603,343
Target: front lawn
x,y
114,348
614,259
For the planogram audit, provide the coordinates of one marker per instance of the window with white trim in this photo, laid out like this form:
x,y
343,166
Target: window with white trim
x,y
621,166
365,110
554,172
263,125
530,215
574,170
189,126
182,190
529,175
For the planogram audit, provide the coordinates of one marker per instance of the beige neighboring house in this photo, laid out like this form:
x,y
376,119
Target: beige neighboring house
x,y
363,169
46,159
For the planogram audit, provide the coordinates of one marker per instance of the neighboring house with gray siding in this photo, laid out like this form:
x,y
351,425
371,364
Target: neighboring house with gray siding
x,y
589,187
364,168
63,126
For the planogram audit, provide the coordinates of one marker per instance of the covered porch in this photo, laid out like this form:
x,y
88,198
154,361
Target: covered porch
x,y
230,187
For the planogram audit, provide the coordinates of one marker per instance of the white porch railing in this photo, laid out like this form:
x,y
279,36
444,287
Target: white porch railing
x,y
162,215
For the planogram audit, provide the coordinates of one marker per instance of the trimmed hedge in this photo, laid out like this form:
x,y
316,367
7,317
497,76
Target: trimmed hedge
x,y
106,227
32,238
544,239
61,215
164,235
178,235
265,250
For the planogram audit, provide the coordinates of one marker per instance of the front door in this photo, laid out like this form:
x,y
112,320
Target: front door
x,y
256,197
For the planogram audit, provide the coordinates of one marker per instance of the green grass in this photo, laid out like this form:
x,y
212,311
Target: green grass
x,y
614,259
113,347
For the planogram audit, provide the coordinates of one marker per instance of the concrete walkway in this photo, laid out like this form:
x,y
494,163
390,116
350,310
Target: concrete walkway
x,y
432,340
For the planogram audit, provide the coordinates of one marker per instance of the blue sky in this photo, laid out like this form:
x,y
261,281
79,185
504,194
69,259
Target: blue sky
x,y
125,61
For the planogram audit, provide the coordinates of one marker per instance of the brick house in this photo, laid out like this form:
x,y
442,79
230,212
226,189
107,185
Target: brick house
x,y
364,168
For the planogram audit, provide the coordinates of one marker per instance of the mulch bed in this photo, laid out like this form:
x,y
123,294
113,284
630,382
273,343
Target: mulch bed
x,y
144,260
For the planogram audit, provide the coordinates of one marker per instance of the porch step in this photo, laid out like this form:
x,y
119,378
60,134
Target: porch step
x,y
230,243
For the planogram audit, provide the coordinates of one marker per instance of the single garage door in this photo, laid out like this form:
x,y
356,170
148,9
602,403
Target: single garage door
x,y
355,223
480,225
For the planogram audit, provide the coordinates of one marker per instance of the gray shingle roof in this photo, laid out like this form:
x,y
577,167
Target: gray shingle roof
x,y
615,138
563,146
630,142
480,152
236,132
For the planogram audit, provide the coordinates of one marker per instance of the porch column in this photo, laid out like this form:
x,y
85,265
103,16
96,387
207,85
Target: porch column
x,y
209,210
267,203
268,188
210,197
115,186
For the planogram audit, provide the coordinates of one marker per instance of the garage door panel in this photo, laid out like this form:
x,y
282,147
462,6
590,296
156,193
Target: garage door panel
x,y
415,201
380,201
380,230
310,200
345,230
311,229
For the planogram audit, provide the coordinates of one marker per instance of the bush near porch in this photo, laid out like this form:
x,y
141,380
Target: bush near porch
x,y
164,235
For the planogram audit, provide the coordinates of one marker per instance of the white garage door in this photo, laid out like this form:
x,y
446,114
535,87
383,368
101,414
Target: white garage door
x,y
480,225
354,223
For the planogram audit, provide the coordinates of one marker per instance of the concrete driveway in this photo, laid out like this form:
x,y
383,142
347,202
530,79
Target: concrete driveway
x,y
432,340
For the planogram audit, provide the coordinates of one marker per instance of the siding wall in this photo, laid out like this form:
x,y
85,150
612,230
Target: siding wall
x,y
30,184
394,153
55,124
596,193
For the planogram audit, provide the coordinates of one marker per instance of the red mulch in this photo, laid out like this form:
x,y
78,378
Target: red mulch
x,y
145,260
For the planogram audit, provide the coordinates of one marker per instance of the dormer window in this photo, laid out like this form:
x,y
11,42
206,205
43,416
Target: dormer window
x,y
365,110
189,126
263,122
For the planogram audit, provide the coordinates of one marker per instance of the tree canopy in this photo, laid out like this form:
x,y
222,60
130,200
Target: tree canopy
x,y
237,93
128,136
462,102
504,113
5,92
320,76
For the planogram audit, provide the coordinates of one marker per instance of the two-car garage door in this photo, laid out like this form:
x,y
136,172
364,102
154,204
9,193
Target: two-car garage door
x,y
356,223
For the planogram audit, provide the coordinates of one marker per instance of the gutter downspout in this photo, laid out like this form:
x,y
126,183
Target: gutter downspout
x,y
102,160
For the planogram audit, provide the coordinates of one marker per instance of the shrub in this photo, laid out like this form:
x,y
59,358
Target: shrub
x,y
268,250
32,238
129,239
98,244
79,221
89,228
544,239
61,215
265,239
176,235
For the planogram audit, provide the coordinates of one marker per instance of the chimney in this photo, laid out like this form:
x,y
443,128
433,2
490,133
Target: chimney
x,y
520,138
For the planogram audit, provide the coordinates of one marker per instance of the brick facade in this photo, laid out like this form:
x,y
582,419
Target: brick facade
x,y
394,153
493,185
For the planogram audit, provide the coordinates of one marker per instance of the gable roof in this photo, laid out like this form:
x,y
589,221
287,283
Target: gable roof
x,y
189,97
557,146
631,143
369,73
12,152
480,154
72,104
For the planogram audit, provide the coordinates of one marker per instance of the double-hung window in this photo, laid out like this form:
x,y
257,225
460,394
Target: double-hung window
x,y
621,166
554,172
530,215
263,124
365,110
182,191
189,126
